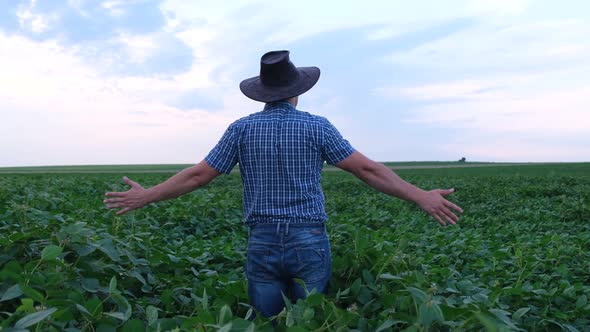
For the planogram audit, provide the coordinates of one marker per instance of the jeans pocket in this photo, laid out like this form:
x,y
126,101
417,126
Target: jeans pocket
x,y
257,267
311,264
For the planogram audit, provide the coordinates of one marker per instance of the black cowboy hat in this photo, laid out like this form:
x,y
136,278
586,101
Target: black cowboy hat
x,y
279,79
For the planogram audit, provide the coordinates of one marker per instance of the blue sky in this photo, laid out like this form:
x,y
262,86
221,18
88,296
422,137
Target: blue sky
x,y
127,82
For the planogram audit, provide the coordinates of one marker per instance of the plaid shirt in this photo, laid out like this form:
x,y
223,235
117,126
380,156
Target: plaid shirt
x,y
281,152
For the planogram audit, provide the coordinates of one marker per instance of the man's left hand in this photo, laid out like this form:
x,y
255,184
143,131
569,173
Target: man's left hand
x,y
132,199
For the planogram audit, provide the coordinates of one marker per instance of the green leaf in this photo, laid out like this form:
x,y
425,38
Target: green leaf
x,y
133,326
173,258
94,305
32,293
356,286
487,322
308,314
582,301
365,295
16,330
243,325
368,277
570,291
84,250
250,328
287,301
151,313
34,318
342,293
556,323
123,304
107,247
480,297
205,300
315,299
418,295
570,328
90,285
26,306
385,325
249,314
83,310
225,315
428,313
387,276
104,327
113,285
520,312
290,321
11,293
117,315
503,316
226,328
51,252
296,329
411,328
138,276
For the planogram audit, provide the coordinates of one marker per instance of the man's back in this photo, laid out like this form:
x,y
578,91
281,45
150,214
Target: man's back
x,y
281,152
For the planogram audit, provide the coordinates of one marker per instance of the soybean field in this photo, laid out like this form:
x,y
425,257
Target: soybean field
x,y
518,260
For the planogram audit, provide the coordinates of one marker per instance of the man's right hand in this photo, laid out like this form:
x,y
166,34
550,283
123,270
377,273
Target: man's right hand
x,y
435,204
180,183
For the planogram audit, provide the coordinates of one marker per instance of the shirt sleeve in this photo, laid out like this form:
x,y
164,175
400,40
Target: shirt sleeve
x,y
335,147
224,155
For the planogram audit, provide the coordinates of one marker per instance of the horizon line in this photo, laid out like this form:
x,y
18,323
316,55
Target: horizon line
x,y
384,162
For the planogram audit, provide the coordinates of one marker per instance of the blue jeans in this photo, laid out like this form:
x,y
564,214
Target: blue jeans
x,y
279,253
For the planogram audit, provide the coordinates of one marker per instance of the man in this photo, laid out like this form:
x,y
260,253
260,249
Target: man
x,y
281,152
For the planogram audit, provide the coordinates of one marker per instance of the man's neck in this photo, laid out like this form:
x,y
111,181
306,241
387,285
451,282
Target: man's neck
x,y
293,101
290,101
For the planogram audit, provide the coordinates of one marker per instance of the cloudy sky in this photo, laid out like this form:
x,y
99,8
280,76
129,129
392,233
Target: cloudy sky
x,y
148,81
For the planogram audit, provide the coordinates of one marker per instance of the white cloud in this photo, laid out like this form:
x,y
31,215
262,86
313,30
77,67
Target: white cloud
x,y
507,118
506,47
58,110
138,47
30,20
465,89
561,113
288,21
509,82
537,104
114,7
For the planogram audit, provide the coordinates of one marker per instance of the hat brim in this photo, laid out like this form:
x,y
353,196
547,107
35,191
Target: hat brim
x,y
254,89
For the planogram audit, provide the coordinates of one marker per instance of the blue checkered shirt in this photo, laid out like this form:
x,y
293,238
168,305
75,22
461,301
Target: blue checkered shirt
x,y
281,152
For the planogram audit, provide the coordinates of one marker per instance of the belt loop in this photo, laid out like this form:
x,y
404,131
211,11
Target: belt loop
x,y
287,229
278,228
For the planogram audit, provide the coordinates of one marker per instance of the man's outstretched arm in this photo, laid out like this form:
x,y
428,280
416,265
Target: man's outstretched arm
x,y
181,183
386,181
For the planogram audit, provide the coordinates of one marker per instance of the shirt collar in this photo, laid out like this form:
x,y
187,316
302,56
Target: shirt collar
x,y
279,105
